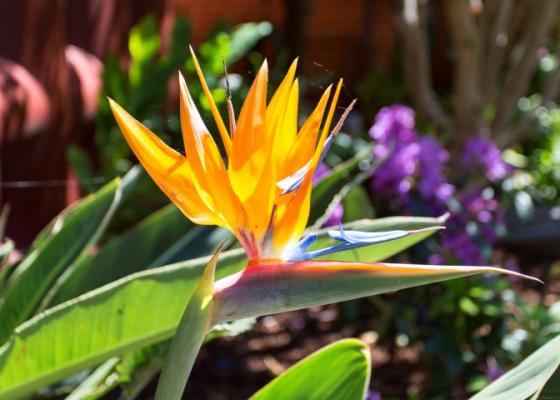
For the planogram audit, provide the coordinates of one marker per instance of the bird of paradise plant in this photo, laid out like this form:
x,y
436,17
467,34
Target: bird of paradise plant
x,y
261,192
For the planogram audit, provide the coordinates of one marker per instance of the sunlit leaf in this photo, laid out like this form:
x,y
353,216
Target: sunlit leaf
x,y
189,336
528,378
338,371
132,313
69,237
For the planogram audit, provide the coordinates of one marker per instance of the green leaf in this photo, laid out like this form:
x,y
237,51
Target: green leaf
x,y
195,323
95,382
143,42
330,185
338,371
149,239
263,290
129,314
139,367
528,378
180,36
73,232
244,37
5,250
357,205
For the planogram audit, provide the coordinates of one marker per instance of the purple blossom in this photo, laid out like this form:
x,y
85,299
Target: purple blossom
x,y
393,130
408,157
493,370
462,246
432,159
394,124
335,217
484,153
373,395
478,206
436,259
321,171
413,168
397,171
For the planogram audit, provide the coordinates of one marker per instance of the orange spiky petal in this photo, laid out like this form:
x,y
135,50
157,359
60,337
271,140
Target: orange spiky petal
x,y
226,139
169,169
210,174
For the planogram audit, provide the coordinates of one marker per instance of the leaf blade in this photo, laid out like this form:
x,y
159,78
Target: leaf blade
x,y
527,378
340,370
75,231
129,305
263,290
188,339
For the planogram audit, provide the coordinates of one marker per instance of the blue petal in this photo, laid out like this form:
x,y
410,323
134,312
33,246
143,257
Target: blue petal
x,y
362,237
347,240
292,182
298,253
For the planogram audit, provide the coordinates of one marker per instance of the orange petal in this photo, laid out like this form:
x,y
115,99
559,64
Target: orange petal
x,y
285,132
226,139
274,109
305,144
277,105
327,126
291,225
169,169
210,173
251,174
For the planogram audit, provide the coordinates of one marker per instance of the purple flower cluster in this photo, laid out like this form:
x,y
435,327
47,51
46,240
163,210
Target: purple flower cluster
x,y
414,169
397,143
470,227
432,159
410,159
484,153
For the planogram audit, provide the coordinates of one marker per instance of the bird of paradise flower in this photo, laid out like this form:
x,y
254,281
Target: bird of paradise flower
x,y
261,192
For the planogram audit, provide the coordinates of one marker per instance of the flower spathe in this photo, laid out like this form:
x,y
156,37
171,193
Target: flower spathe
x,y
261,189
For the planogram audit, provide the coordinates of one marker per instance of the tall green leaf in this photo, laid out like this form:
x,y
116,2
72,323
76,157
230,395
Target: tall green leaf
x,y
330,185
338,371
72,233
131,313
133,251
528,378
188,339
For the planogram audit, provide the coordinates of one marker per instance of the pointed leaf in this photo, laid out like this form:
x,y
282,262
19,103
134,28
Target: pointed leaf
x,y
129,314
92,384
528,378
262,290
330,185
162,238
73,232
338,371
188,339
134,312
